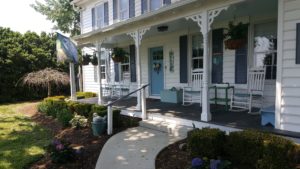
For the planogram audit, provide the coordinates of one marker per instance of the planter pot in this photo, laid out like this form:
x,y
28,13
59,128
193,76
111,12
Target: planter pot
x,y
234,43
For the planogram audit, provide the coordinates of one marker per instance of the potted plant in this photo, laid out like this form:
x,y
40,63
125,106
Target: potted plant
x,y
94,60
86,59
236,35
118,54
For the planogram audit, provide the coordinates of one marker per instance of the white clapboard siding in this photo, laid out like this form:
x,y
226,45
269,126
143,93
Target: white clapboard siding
x,y
86,23
89,84
290,80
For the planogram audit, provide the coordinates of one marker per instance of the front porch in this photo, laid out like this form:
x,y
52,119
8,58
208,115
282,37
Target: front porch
x,y
191,114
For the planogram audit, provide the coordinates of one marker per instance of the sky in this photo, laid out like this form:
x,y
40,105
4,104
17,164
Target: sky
x,y
19,16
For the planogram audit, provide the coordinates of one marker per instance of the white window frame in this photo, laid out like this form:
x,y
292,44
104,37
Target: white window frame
x,y
149,6
121,67
99,20
273,53
200,58
124,12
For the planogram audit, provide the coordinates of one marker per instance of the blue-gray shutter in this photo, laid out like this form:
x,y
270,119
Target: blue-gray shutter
x,y
241,65
298,44
131,8
167,2
115,9
117,74
93,18
144,6
183,54
217,56
132,63
106,13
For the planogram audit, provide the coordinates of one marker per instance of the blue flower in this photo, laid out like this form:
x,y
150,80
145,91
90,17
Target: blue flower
x,y
197,162
214,164
56,142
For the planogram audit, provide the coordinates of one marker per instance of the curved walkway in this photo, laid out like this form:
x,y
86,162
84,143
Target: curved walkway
x,y
134,148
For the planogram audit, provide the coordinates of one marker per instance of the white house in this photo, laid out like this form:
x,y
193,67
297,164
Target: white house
x,y
168,39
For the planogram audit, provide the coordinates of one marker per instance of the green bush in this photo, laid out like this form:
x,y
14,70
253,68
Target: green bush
x,y
43,107
99,109
81,95
245,147
55,98
117,123
82,109
206,142
79,121
278,153
64,116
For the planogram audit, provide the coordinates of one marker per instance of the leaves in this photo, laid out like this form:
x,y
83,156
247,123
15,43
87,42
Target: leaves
x,y
62,13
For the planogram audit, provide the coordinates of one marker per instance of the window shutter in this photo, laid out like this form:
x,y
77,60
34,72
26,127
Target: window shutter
x,y
131,8
144,6
241,65
132,63
217,56
183,49
117,74
167,2
106,13
298,44
93,18
115,10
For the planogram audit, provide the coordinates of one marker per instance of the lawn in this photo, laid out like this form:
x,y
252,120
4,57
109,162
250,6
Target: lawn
x,y
21,140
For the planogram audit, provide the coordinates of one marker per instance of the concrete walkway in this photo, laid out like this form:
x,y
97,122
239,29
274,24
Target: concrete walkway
x,y
134,148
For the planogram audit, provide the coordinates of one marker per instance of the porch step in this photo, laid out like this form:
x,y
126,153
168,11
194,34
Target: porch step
x,y
172,129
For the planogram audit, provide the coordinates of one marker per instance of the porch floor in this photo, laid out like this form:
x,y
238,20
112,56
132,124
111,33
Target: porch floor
x,y
241,119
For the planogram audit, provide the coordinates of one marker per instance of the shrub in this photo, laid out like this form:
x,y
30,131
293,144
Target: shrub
x,y
79,121
64,116
99,110
60,152
43,107
82,109
82,95
55,98
206,142
117,118
278,153
245,147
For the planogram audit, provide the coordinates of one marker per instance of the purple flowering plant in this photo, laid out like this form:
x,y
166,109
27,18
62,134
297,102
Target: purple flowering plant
x,y
205,163
60,151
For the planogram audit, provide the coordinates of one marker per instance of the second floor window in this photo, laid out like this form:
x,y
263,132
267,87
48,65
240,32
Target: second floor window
x,y
123,9
151,5
100,16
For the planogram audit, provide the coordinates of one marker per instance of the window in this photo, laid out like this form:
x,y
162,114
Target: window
x,y
151,5
103,69
123,9
125,69
197,52
100,16
265,48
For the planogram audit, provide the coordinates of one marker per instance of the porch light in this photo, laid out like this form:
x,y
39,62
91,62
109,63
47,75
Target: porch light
x,y
162,28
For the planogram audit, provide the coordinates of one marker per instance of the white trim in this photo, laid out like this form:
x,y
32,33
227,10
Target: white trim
x,y
279,65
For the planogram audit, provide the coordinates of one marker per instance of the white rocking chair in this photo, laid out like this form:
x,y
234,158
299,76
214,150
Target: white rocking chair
x,y
254,93
192,93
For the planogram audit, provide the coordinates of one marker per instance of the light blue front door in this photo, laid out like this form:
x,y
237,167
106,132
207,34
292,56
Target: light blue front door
x,y
156,70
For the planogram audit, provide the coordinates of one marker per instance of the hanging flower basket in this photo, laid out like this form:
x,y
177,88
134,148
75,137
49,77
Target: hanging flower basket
x,y
118,54
235,43
236,35
86,59
94,60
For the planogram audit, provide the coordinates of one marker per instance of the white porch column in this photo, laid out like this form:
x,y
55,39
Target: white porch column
x,y
204,21
137,37
72,81
98,53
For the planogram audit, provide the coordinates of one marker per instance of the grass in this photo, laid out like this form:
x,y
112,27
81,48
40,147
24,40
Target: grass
x,y
21,140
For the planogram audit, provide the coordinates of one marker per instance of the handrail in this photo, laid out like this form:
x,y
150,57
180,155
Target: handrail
x,y
121,98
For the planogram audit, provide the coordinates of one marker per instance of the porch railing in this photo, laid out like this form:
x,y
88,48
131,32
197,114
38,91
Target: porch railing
x,y
111,103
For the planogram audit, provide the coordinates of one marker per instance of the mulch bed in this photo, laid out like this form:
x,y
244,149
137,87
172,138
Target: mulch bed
x,y
172,157
92,145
